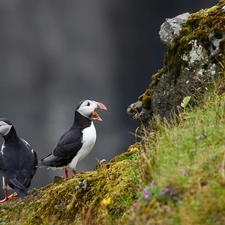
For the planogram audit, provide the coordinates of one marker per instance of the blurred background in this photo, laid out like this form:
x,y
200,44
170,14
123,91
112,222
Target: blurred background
x,y
55,53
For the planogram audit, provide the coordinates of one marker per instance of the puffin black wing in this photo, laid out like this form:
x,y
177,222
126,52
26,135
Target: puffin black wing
x,y
67,147
19,169
69,144
30,164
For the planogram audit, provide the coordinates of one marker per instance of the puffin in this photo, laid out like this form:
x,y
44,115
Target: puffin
x,y
76,143
18,161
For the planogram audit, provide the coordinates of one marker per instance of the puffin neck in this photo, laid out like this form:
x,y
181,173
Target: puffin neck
x,y
81,121
12,135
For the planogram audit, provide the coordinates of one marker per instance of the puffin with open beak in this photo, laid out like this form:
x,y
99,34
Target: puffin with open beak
x,y
76,143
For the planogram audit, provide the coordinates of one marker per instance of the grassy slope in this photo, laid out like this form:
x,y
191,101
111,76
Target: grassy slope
x,y
187,166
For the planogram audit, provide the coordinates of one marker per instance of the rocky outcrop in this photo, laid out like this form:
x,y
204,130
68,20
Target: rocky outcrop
x,y
193,62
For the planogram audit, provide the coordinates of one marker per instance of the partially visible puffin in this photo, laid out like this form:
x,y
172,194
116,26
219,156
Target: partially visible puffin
x,y
76,143
18,161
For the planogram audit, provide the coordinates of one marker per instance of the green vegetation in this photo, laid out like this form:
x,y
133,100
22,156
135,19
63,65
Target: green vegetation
x,y
186,163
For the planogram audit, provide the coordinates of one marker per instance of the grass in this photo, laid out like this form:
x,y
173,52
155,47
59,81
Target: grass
x,y
186,167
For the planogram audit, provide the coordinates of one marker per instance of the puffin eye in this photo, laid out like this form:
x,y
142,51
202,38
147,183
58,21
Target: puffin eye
x,y
88,104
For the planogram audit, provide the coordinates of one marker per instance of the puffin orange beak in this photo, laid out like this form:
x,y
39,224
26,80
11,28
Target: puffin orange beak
x,y
95,115
100,105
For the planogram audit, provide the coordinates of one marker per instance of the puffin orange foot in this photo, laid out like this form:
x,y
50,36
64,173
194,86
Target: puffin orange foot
x,y
7,197
74,172
66,173
13,195
4,200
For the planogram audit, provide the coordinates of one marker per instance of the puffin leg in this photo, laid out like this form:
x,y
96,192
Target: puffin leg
x,y
13,195
74,172
6,196
66,173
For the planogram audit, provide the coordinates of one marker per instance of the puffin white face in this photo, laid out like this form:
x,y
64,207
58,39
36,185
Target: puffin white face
x,y
88,109
4,128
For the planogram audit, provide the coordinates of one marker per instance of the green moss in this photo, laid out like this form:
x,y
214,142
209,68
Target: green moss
x,y
146,102
155,79
155,76
146,93
185,31
61,202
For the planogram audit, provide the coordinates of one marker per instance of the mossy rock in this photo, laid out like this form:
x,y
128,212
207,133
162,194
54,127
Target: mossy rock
x,y
192,64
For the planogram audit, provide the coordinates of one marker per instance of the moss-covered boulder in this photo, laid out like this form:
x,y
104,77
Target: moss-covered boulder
x,y
193,62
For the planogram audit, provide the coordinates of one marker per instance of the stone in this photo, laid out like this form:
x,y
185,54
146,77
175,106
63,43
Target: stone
x,y
172,27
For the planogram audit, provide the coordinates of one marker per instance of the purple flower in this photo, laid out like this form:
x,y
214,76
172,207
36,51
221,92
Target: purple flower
x,y
184,174
153,182
200,137
168,191
134,207
145,193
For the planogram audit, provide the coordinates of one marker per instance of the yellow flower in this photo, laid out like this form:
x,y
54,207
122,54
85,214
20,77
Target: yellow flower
x,y
106,201
133,149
